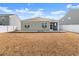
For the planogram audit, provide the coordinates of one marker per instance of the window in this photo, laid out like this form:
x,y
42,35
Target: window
x,y
69,18
63,20
3,19
44,25
54,24
1,23
51,25
27,26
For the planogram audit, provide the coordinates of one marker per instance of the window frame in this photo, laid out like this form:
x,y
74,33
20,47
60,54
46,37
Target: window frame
x,y
44,25
26,26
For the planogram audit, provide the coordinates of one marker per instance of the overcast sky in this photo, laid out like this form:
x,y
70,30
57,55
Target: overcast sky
x,y
31,10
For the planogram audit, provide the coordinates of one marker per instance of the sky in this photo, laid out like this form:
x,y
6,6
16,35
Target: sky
x,y
31,10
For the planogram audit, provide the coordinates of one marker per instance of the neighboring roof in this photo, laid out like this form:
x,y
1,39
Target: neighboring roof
x,y
6,14
39,19
71,18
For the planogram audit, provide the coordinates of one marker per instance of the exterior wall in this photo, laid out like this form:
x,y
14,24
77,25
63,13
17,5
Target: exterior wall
x,y
15,21
71,18
71,28
4,20
35,26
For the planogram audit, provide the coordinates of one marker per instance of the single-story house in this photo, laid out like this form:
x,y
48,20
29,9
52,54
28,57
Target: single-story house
x,y
39,25
9,22
70,22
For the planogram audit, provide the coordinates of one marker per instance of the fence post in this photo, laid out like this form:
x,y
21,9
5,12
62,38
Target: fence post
x,y
7,28
13,28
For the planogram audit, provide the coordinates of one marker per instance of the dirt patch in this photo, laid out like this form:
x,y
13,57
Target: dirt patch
x,y
44,44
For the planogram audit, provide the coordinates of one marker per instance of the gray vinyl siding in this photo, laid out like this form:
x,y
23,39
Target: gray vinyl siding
x,y
74,15
4,20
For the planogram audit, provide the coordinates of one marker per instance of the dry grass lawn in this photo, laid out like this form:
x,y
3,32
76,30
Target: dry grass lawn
x,y
39,44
